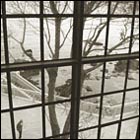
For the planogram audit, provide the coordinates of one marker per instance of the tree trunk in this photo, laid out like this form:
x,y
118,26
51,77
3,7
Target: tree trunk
x,y
52,72
67,123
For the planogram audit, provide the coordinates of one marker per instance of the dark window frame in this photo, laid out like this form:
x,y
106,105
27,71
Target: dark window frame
x,y
76,62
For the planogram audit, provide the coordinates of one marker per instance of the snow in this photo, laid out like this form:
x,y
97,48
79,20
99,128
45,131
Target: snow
x,y
33,117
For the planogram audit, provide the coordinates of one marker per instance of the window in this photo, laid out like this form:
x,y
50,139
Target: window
x,y
69,69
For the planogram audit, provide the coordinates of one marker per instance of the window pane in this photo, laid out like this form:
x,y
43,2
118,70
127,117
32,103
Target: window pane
x,y
109,132
4,92
133,75
32,123
137,8
96,7
24,40
111,107
90,134
131,106
94,36
129,129
22,7
6,132
26,87
123,7
135,47
2,45
62,113
58,38
58,83
119,35
89,112
92,79
115,75
58,7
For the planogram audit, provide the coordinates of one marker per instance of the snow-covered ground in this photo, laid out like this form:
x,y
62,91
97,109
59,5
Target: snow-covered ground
x,y
32,118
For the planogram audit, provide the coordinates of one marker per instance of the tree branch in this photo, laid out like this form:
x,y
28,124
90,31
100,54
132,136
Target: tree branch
x,y
53,7
71,25
110,51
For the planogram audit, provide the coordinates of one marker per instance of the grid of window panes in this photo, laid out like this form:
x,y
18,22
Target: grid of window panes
x,y
58,62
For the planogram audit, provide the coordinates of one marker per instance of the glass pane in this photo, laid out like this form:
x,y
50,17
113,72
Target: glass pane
x,y
131,106
96,7
109,132
135,47
22,7
32,123
26,87
2,45
94,36
122,7
58,38
137,8
91,79
58,83
58,119
89,112
4,92
129,129
111,107
24,40
115,76
6,132
133,75
90,134
119,35
58,7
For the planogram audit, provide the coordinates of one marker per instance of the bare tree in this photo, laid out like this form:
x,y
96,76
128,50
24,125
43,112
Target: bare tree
x,y
56,7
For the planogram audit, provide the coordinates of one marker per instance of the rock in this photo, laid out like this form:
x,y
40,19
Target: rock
x,y
29,73
131,77
88,76
108,76
122,65
97,78
106,71
93,64
88,88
